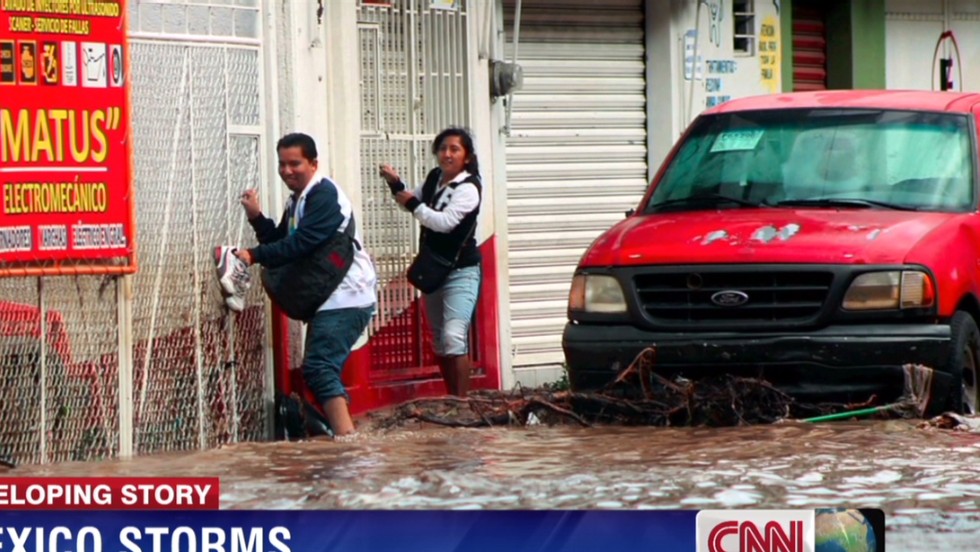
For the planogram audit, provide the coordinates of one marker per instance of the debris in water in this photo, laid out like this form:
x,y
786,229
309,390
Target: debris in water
x,y
953,421
639,396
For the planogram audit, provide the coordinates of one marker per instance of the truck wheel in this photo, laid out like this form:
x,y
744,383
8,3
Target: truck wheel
x,y
964,363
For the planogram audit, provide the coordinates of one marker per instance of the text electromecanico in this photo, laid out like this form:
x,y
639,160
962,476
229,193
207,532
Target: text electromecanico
x,y
22,198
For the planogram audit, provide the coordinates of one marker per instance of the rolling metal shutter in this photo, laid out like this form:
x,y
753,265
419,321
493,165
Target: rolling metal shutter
x,y
576,155
809,48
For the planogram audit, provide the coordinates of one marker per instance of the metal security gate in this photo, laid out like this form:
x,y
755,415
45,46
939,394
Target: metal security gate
x,y
201,375
576,155
414,83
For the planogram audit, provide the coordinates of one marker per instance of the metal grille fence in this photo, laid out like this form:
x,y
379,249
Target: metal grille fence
x,y
200,370
413,85
198,373
58,368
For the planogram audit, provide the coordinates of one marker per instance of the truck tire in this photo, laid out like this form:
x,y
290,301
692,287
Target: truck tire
x,y
964,364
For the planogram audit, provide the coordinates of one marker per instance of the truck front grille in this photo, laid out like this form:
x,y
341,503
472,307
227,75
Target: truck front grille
x,y
685,296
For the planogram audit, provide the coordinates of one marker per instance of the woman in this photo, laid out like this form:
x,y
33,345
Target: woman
x,y
447,205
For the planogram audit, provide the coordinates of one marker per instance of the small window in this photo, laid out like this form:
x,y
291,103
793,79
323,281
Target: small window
x,y
744,21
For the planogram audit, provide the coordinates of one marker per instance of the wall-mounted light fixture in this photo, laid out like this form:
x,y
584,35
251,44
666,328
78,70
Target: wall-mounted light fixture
x,y
505,77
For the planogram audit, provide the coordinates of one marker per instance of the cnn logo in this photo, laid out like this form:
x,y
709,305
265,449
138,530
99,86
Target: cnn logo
x,y
755,531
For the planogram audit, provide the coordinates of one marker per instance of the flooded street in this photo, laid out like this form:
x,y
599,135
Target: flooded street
x,y
926,480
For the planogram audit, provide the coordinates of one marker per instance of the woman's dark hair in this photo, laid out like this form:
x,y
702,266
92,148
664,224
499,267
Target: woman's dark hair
x,y
305,142
472,166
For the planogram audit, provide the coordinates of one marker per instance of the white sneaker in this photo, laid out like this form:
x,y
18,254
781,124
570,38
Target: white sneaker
x,y
235,303
233,275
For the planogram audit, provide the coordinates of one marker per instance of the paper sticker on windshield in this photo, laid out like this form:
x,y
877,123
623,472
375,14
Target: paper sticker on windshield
x,y
737,140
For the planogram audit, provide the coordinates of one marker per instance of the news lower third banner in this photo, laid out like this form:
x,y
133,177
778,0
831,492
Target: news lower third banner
x,y
172,514
429,531
349,531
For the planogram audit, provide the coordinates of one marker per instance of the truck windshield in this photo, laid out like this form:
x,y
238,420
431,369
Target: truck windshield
x,y
839,158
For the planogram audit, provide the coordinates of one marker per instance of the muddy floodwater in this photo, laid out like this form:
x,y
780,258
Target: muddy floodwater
x,y
926,480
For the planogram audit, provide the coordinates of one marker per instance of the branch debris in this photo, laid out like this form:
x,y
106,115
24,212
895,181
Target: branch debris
x,y
639,396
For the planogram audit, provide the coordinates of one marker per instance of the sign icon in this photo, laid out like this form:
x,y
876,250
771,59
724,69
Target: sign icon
x,y
50,63
116,76
8,75
94,65
755,531
693,68
69,64
849,529
27,68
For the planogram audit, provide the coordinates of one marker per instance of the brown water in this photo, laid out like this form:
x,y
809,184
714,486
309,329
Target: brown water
x,y
926,480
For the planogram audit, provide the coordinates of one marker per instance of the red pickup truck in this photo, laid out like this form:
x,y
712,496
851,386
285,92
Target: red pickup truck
x,y
818,240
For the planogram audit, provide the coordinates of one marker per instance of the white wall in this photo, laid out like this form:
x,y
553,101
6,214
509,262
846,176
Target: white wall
x,y
489,121
302,78
912,29
341,79
678,28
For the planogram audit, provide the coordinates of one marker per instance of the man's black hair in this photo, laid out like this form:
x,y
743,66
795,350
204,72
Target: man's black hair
x,y
305,143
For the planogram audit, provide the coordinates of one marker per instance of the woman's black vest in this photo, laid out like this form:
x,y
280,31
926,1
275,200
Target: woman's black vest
x,y
462,237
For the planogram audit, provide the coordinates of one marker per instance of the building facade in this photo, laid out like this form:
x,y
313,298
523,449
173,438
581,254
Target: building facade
x,y
98,367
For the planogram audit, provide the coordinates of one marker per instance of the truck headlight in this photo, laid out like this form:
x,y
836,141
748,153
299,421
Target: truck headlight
x,y
907,289
596,293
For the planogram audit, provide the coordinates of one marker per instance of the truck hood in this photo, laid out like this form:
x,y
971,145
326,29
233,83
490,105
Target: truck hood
x,y
845,236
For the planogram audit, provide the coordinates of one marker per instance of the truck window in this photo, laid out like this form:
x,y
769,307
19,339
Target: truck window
x,y
917,160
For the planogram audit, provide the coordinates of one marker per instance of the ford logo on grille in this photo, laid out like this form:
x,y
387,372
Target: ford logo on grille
x,y
730,298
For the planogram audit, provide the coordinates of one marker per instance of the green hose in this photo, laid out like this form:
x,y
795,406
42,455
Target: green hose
x,y
851,413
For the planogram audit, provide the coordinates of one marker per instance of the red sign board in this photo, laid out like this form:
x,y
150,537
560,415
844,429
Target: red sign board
x,y
65,143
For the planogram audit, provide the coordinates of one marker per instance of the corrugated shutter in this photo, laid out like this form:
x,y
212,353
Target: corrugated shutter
x,y
576,157
809,49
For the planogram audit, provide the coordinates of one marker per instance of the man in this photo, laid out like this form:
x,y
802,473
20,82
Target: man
x,y
316,210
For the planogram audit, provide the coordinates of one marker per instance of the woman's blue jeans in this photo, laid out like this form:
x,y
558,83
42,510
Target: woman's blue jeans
x,y
450,310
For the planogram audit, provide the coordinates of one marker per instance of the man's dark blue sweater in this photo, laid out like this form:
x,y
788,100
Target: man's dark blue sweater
x,y
321,218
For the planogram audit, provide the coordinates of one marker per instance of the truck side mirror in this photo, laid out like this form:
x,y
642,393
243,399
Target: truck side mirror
x,y
630,212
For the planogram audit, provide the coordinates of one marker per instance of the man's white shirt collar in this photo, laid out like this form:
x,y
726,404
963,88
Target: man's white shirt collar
x,y
317,177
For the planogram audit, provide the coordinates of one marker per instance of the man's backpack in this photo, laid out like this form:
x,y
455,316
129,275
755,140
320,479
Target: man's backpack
x,y
302,286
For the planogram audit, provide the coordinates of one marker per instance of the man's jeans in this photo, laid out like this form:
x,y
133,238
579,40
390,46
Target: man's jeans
x,y
329,338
